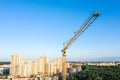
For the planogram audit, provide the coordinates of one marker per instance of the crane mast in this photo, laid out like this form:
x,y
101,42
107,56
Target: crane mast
x,y
85,25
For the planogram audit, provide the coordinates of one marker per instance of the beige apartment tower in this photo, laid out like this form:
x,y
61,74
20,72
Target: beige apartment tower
x,y
42,66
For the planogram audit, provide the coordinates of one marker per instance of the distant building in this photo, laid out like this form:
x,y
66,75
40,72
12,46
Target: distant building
x,y
107,64
4,70
74,68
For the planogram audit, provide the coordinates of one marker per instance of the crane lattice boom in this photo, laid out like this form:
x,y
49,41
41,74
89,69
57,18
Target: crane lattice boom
x,y
85,25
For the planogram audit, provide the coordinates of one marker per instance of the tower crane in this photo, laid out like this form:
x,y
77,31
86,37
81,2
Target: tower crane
x,y
85,25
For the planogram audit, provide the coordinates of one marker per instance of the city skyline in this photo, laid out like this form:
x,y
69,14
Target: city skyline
x,y
37,28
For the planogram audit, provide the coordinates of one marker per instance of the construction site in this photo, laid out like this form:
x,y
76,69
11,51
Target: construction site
x,y
43,68
59,40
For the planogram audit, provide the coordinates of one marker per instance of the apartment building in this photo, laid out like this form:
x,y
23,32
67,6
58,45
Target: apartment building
x,y
42,66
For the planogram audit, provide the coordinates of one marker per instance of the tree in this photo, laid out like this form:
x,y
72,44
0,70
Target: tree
x,y
72,78
98,73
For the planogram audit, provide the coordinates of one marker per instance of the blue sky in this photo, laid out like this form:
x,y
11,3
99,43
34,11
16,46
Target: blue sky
x,y
40,27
